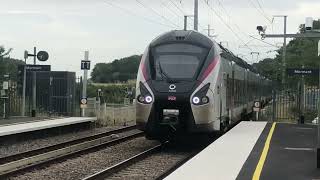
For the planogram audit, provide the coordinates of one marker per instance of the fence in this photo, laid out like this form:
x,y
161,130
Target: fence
x,y
58,94
294,105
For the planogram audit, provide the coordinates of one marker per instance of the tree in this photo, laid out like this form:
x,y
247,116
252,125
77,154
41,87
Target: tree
x,y
8,65
118,70
3,52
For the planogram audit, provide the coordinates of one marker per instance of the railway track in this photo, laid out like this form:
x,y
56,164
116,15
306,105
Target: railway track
x,y
16,163
146,161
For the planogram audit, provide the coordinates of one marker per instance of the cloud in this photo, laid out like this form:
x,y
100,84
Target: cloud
x,y
309,9
67,28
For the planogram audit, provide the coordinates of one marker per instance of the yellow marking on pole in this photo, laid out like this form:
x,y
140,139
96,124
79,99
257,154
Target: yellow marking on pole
x,y
257,172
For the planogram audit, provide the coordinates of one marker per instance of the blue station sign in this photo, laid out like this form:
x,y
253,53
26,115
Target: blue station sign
x,y
302,71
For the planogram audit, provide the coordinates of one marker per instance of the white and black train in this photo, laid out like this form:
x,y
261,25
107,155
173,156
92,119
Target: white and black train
x,y
188,83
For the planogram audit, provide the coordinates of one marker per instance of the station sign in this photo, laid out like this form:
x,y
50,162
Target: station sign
x,y
85,65
38,67
34,68
302,71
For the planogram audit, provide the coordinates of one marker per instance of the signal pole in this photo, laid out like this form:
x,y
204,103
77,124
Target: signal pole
x,y
196,8
85,77
23,110
34,86
185,22
284,48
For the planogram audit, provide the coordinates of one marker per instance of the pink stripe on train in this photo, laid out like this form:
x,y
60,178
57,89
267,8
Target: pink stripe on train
x,y
209,69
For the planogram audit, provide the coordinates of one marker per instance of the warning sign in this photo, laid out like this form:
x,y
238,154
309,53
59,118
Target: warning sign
x,y
83,103
256,106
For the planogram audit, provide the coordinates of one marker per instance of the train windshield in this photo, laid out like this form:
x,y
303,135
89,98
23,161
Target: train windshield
x,y
178,61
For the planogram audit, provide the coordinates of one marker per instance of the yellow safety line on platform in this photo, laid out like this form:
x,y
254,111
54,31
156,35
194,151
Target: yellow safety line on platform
x,y
257,172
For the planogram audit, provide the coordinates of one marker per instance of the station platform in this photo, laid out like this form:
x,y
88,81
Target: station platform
x,y
28,125
257,150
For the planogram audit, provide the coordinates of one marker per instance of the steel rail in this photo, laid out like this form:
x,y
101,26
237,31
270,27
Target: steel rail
x,y
117,167
17,166
41,150
176,166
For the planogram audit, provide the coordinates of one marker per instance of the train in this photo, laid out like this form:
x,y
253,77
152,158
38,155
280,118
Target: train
x,y
187,83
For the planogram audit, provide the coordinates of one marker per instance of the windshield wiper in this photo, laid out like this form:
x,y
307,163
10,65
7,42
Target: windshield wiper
x,y
163,74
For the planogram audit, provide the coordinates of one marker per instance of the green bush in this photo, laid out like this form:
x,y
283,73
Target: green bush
x,y
111,93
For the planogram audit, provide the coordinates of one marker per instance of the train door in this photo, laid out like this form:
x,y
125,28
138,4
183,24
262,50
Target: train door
x,y
228,95
232,96
246,93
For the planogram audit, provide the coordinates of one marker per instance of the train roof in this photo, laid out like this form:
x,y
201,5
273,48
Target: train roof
x,y
188,36
191,36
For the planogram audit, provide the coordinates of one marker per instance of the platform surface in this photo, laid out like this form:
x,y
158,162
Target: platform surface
x,y
257,151
291,154
224,158
9,129
17,120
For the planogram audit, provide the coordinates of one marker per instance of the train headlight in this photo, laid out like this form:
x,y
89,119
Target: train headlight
x,y
145,96
204,100
141,99
148,99
195,100
200,97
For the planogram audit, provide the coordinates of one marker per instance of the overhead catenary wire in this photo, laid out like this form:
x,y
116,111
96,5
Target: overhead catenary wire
x,y
136,15
226,24
171,10
176,17
178,7
229,16
260,10
264,41
157,13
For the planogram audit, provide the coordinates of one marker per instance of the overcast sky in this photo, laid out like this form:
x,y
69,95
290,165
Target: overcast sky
x,y
112,29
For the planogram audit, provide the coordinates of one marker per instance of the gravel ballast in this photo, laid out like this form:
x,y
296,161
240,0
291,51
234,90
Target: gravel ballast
x,y
27,145
85,165
151,167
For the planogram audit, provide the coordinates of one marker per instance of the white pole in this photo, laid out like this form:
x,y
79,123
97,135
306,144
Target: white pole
x,y
284,51
85,77
23,110
196,16
185,22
